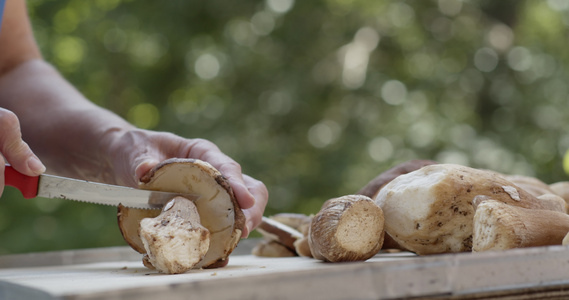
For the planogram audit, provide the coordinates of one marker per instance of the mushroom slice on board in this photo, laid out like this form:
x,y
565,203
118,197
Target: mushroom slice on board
x,y
217,207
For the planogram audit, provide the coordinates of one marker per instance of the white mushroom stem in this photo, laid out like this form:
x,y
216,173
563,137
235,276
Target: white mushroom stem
x,y
349,228
499,226
175,241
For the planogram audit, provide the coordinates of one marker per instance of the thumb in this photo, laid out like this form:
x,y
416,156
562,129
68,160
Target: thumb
x,y
14,149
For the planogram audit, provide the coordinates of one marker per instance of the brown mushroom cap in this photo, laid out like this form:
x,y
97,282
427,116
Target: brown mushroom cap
x,y
217,206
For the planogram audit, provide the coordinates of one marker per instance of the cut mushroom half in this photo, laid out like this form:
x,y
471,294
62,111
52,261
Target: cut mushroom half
x,y
217,208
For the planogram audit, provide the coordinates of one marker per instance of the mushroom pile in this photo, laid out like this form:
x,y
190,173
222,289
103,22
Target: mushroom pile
x,y
430,208
185,234
347,228
445,208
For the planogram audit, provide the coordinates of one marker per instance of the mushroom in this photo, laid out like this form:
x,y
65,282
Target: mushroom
x,y
562,189
269,248
430,211
282,231
217,207
279,232
129,222
372,188
175,241
296,221
532,185
499,226
348,228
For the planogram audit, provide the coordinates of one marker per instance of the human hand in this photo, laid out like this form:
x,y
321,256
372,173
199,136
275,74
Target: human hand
x,y
14,150
137,151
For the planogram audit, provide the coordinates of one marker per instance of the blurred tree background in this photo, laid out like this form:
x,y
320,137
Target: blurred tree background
x,y
314,98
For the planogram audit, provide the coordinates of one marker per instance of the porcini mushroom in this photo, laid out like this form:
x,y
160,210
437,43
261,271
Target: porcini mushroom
x,y
175,241
279,232
532,185
376,184
372,188
430,211
270,248
499,226
562,189
348,228
217,207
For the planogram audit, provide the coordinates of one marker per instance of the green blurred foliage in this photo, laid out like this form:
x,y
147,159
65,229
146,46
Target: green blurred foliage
x,y
314,98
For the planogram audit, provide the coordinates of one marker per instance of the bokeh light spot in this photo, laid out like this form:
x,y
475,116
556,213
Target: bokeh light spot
x,y
280,6
207,66
394,92
144,115
486,60
69,51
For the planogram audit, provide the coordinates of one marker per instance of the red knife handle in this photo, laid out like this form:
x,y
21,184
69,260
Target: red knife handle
x,y
28,185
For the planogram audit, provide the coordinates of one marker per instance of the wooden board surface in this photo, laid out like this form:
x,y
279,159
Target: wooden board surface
x,y
117,273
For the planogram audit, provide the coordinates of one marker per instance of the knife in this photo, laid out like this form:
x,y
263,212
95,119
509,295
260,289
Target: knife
x,y
50,186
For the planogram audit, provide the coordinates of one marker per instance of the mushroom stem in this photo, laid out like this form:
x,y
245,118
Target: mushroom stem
x,y
349,228
175,241
499,226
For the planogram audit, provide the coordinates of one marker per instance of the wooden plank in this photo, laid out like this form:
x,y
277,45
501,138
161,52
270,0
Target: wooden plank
x,y
512,274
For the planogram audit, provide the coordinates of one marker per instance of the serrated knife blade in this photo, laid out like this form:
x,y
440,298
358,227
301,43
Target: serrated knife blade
x,y
50,186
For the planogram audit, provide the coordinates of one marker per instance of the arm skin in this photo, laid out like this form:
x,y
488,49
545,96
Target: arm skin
x,y
73,137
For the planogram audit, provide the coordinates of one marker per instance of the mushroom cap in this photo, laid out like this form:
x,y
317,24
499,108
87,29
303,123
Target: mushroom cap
x,y
129,222
217,205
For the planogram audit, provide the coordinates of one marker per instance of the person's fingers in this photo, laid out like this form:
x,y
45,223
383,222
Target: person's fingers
x,y
15,151
251,194
143,166
208,151
254,214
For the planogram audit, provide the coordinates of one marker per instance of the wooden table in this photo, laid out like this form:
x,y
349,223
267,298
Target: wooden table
x,y
117,273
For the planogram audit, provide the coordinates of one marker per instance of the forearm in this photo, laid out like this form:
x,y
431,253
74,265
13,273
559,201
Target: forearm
x,y
70,134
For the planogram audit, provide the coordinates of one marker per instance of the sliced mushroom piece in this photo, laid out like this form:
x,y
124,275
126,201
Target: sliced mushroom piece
x,y
276,231
499,226
175,241
267,248
302,247
217,206
295,220
430,211
348,228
